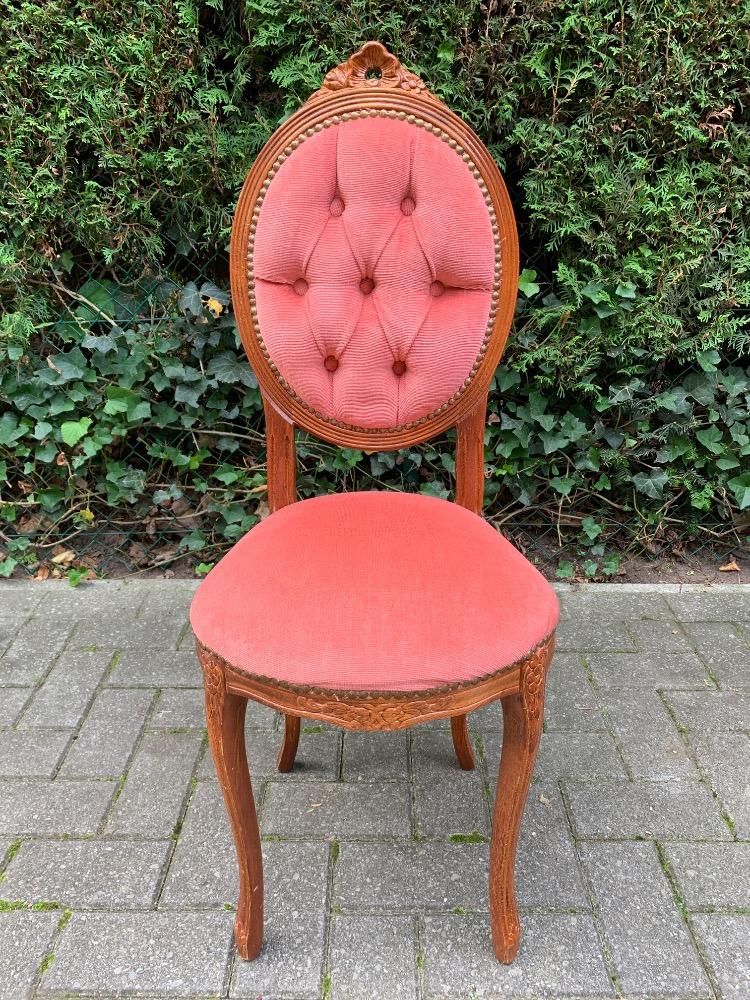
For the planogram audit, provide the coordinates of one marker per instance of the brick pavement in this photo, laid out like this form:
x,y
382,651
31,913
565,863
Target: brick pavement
x,y
117,869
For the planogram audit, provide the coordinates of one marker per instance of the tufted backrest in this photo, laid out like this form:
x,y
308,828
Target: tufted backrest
x,y
372,257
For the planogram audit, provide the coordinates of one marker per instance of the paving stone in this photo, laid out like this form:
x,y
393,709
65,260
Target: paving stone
x,y
655,754
658,636
203,872
376,756
105,601
8,630
342,810
636,709
559,956
726,940
37,808
647,938
147,631
448,800
18,598
412,876
569,702
716,604
179,708
711,639
724,759
156,668
600,605
373,957
66,692
35,647
489,718
580,755
167,954
291,960
25,754
584,634
428,876
561,754
711,711
712,876
651,669
108,736
317,756
87,873
156,785
732,671
545,846
668,809
187,640
24,941
12,700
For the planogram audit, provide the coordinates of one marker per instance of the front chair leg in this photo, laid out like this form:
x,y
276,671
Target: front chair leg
x,y
522,728
462,743
288,752
225,715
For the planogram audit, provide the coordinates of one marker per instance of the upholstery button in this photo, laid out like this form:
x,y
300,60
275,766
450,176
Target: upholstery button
x,y
366,285
399,367
337,207
407,205
330,363
300,286
436,288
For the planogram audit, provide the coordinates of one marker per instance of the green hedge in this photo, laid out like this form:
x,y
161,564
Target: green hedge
x,y
621,129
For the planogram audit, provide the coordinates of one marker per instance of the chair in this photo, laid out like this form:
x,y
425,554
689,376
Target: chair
x,y
374,266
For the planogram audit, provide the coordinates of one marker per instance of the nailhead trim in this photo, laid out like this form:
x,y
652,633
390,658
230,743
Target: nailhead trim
x,y
453,143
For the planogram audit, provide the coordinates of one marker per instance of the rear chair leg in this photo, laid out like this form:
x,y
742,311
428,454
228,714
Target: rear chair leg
x,y
225,715
288,752
522,728
462,743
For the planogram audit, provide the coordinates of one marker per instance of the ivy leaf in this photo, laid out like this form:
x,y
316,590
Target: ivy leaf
x,y
740,486
626,290
651,484
711,438
562,485
226,367
190,299
708,360
71,431
527,283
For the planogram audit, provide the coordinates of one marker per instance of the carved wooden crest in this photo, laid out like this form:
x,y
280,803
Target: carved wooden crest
x,y
372,67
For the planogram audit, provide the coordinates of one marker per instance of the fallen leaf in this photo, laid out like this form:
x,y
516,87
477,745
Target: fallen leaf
x,y
64,558
730,567
215,307
544,800
42,573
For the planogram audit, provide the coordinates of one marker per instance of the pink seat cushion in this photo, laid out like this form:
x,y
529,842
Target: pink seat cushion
x,y
373,592
374,265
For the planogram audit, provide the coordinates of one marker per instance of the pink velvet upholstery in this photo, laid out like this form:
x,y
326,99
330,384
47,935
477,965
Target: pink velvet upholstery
x,y
374,264
373,592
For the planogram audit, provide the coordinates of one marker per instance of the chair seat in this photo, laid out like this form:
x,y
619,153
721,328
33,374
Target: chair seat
x,y
373,592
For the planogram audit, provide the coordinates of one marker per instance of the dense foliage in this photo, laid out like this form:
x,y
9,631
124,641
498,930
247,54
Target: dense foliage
x,y
128,129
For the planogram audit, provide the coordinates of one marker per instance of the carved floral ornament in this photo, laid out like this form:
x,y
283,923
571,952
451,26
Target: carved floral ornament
x,y
375,68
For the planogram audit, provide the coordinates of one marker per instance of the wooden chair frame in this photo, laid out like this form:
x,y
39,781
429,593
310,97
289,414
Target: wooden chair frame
x,y
373,81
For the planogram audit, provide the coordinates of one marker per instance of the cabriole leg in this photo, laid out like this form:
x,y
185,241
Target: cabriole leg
x,y
462,743
225,716
288,750
522,722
